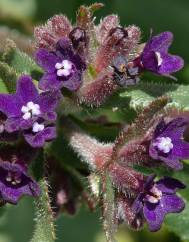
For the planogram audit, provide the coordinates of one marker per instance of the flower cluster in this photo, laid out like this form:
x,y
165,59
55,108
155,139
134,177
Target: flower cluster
x,y
141,198
85,63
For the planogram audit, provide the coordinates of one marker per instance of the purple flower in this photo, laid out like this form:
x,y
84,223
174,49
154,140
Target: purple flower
x,y
4,135
63,68
15,182
31,112
155,56
124,74
168,144
158,199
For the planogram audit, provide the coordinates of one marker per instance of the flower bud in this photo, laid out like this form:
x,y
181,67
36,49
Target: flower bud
x,y
125,178
125,213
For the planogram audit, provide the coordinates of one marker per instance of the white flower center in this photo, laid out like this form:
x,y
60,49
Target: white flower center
x,y
31,109
164,144
158,58
155,195
13,178
38,127
64,68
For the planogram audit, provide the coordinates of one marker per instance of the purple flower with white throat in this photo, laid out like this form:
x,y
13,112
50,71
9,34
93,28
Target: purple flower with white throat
x,y
168,144
15,182
155,56
158,199
30,112
63,68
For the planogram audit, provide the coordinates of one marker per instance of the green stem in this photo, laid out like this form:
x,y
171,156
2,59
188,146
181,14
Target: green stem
x,y
44,227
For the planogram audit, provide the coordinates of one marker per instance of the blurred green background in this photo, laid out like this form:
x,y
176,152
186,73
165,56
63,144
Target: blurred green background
x,y
16,224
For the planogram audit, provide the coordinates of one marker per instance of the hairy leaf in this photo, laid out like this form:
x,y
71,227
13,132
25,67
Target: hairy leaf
x,y
20,61
8,76
142,94
179,223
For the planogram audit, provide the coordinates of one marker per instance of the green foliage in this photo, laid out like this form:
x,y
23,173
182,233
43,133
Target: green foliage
x,y
179,223
145,92
20,61
14,63
9,76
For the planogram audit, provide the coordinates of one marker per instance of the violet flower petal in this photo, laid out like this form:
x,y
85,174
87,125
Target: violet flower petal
x,y
26,90
169,185
13,192
74,81
170,64
160,42
10,105
47,60
48,101
171,203
14,124
38,140
50,81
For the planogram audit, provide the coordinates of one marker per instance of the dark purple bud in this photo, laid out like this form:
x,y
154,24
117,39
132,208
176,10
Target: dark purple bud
x,y
78,37
106,24
118,34
119,41
64,190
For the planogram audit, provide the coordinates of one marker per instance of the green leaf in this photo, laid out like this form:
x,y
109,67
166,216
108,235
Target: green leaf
x,y
108,208
159,171
2,211
142,94
8,76
179,224
44,227
184,177
20,61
